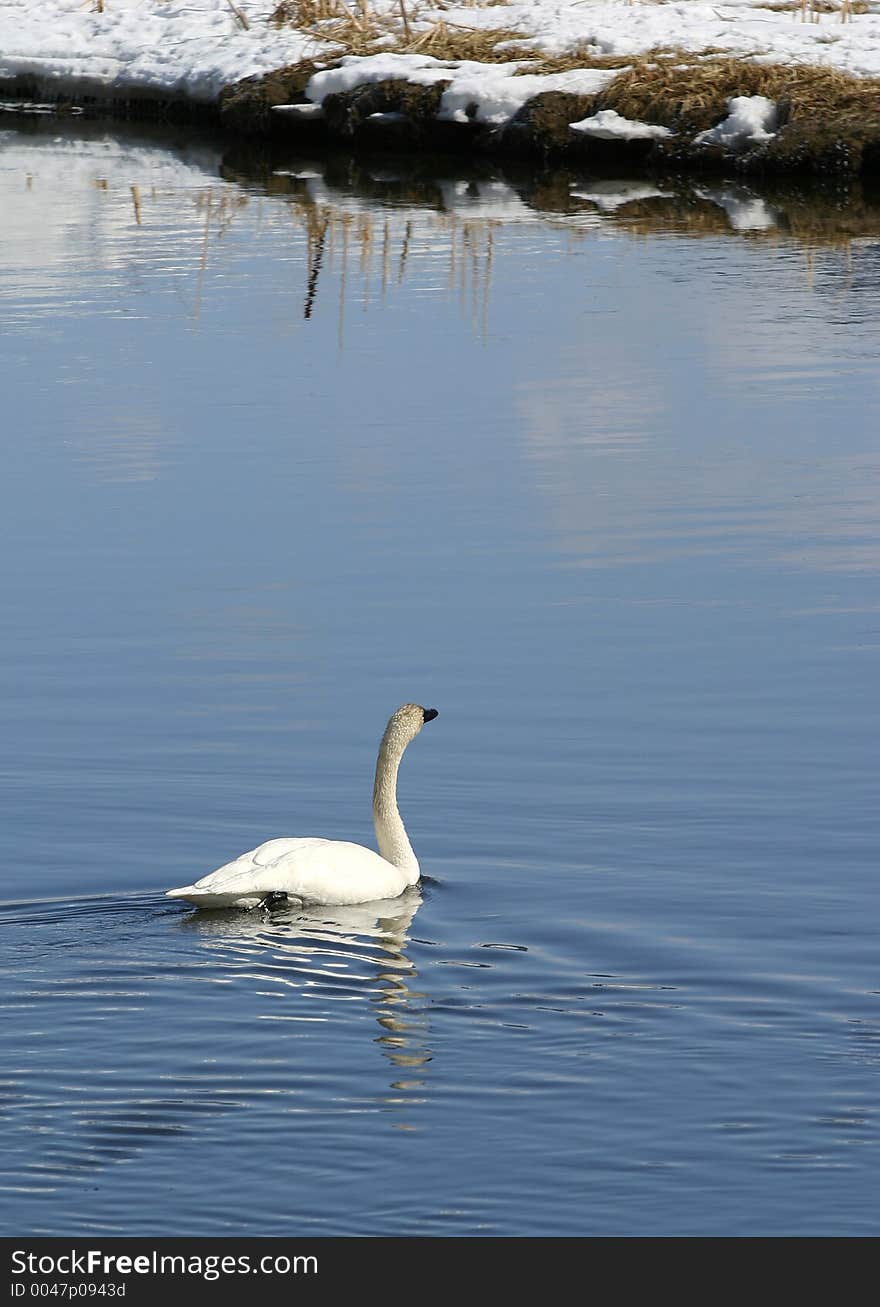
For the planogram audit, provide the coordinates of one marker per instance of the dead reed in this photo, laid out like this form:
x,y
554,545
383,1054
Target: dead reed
x,y
693,97
812,10
358,29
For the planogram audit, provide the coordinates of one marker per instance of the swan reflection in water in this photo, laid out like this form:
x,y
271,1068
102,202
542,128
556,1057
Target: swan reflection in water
x,y
321,952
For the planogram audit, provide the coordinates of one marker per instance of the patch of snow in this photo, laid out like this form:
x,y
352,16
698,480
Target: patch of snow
x,y
361,70
299,110
750,119
488,93
610,126
498,94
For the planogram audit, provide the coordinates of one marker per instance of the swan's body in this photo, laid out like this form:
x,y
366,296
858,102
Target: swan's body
x,y
309,869
314,870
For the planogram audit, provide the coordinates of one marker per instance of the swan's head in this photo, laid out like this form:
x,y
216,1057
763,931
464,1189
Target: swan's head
x,y
405,724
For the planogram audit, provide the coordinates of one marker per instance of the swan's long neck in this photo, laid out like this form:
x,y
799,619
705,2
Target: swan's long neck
x,y
391,835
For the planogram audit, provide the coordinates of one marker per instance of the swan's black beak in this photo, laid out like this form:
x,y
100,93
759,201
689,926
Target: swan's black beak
x,y
430,714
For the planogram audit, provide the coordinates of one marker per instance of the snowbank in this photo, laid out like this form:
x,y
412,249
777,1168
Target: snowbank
x,y
751,118
193,47
486,93
188,48
609,126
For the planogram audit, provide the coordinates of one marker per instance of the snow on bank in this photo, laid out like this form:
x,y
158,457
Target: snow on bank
x,y
608,125
750,119
742,27
193,47
494,90
181,47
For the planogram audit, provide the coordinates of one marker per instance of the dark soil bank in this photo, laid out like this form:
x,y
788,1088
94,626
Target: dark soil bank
x,y
829,124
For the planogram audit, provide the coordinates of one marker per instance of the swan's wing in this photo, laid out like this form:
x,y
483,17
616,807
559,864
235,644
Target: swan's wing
x,y
269,853
311,869
336,872
246,880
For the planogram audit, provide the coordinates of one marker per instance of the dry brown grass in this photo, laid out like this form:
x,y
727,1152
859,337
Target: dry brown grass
x,y
807,7
321,17
348,23
693,98
357,29
307,12
445,40
582,57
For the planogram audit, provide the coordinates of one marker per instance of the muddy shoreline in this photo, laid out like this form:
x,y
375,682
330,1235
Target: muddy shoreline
x,y
840,138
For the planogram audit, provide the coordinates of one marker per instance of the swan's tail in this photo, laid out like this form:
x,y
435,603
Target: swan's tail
x,y
205,898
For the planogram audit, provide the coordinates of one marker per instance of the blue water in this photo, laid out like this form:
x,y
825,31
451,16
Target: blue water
x,y
605,496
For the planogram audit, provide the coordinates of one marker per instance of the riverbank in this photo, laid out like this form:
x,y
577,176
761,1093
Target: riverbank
x,y
782,86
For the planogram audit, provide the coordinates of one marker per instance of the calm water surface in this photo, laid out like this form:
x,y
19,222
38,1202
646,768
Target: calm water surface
x,y
597,478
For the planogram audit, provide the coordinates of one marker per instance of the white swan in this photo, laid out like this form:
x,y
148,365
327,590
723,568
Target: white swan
x,y
328,871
